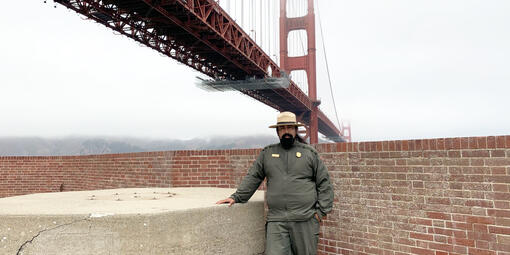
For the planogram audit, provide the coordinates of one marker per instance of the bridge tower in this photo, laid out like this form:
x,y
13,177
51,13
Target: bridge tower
x,y
306,62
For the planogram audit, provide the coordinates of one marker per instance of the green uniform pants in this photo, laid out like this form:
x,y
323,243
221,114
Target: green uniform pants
x,y
292,237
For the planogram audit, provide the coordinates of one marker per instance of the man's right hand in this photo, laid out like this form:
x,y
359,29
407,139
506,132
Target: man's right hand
x,y
228,201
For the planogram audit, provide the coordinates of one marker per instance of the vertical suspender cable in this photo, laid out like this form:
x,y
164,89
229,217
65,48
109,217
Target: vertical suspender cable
x,y
268,25
269,31
261,24
327,66
234,10
252,27
261,29
248,20
276,17
264,4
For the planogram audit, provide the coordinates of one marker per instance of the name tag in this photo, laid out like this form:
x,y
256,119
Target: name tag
x,y
275,155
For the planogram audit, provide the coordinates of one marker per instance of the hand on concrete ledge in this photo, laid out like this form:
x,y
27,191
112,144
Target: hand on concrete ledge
x,y
229,200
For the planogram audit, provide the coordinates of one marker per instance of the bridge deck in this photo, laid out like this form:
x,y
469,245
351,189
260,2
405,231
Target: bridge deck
x,y
201,35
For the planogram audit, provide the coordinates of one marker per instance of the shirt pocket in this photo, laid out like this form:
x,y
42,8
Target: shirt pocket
x,y
302,168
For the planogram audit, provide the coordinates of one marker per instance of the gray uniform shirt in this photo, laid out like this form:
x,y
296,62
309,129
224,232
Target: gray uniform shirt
x,y
298,184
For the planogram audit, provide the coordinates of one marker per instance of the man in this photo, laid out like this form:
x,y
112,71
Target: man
x,y
299,193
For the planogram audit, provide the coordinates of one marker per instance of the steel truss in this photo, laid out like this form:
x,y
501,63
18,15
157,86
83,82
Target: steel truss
x,y
201,35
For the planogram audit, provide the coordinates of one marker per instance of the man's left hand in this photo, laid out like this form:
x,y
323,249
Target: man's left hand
x,y
318,217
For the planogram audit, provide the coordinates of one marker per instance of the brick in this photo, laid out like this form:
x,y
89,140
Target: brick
x,y
497,153
472,142
480,228
440,144
454,154
459,234
464,143
392,146
500,247
480,203
331,249
491,142
440,239
500,187
421,236
459,250
418,184
420,144
475,251
498,170
432,144
459,225
442,231
476,153
484,245
502,204
420,251
499,213
498,179
503,239
452,143
479,219
437,200
481,236
442,247
385,146
499,230
500,142
497,161
481,142
426,144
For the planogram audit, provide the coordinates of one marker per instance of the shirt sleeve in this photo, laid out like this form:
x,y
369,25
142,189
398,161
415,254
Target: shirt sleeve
x,y
325,192
251,181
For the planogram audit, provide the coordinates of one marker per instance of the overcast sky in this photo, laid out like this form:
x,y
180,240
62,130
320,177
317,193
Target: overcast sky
x,y
400,70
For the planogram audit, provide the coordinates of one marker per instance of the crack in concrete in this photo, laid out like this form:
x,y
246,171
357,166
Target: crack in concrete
x,y
46,230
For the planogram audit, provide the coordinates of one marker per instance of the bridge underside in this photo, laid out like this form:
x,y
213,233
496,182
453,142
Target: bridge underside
x,y
201,35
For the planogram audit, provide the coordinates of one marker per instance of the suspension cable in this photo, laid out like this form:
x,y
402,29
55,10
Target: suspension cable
x,y
327,66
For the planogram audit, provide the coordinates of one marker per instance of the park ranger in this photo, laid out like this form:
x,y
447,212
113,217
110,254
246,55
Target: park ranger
x,y
299,192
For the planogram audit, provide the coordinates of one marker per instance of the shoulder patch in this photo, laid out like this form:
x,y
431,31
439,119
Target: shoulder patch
x,y
307,147
271,145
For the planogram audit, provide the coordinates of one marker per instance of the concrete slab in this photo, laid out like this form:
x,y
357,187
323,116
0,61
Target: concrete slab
x,y
131,221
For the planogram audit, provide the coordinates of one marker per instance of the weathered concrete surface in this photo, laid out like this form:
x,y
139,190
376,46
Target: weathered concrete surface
x,y
152,221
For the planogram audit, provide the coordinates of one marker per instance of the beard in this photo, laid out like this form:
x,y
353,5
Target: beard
x,y
287,141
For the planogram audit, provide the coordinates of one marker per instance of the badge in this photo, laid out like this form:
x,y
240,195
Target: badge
x,y
275,155
298,154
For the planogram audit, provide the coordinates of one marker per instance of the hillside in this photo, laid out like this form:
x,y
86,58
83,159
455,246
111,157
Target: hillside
x,y
36,146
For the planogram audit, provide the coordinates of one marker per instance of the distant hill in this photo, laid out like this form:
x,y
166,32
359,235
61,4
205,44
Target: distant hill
x,y
35,146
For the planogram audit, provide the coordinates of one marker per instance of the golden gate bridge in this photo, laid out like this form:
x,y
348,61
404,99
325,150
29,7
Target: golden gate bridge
x,y
234,43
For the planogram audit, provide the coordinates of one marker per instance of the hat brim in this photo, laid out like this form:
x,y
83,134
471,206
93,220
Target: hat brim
x,y
287,124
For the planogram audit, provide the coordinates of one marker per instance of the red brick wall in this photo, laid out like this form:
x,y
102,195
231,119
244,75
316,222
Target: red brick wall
x,y
434,196
26,175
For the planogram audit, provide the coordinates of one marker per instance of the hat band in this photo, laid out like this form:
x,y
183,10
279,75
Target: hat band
x,y
285,123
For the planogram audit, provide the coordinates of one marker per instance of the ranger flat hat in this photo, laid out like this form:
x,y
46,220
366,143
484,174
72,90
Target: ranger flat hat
x,y
286,119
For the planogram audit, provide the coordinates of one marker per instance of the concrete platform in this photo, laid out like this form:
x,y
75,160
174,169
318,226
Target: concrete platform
x,y
131,221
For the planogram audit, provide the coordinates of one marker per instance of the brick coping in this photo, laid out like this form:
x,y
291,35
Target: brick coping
x,y
456,143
